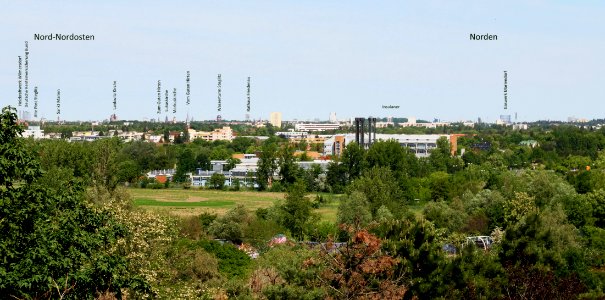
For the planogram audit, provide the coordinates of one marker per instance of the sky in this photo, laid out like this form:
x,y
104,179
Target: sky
x,y
309,58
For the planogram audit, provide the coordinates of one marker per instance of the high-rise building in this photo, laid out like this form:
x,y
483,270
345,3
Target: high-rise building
x,y
275,119
333,118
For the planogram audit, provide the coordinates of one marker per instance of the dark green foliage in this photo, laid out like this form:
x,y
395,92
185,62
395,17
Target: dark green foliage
x,y
336,177
267,164
217,181
597,200
443,216
353,160
128,171
354,210
295,212
53,242
231,261
415,243
231,226
399,160
289,171
381,189
186,163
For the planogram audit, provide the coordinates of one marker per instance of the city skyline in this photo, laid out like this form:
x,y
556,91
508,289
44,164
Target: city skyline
x,y
308,60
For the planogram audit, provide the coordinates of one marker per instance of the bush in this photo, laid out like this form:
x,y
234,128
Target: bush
x,y
277,187
236,185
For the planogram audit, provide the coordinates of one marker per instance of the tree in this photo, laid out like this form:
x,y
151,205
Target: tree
x,y
597,201
267,164
440,186
360,270
354,210
231,162
353,159
128,171
295,212
336,177
380,188
217,181
105,165
202,160
540,258
241,144
186,163
52,242
289,171
313,178
393,156
231,225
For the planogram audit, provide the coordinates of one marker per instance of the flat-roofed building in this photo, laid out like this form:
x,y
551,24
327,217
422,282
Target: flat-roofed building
x,y
316,126
420,144
221,134
34,132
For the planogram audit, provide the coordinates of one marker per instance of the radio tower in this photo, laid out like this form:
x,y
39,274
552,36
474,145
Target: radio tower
x,y
248,98
218,117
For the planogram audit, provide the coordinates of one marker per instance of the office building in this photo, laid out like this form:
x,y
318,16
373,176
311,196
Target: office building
x,y
275,119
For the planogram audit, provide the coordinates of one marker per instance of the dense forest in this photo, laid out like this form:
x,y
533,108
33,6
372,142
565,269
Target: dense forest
x,y
70,229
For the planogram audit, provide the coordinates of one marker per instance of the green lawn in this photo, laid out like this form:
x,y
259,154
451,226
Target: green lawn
x,y
195,201
152,202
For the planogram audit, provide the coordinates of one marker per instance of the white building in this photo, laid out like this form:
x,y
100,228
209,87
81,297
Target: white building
x,y
153,138
292,134
33,132
129,136
316,126
420,144
221,134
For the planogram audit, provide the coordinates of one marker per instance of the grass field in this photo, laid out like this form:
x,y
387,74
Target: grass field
x,y
193,202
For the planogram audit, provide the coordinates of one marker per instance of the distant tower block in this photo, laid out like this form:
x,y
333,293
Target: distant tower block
x,y
219,118
333,117
275,119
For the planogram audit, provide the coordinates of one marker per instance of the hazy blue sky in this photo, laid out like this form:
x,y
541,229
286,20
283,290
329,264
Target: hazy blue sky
x,y
309,58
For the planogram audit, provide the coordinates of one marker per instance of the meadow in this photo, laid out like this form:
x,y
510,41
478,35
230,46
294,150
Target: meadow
x,y
190,202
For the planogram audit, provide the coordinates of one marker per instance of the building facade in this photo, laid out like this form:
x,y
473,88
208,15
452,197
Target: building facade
x,y
419,144
275,119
